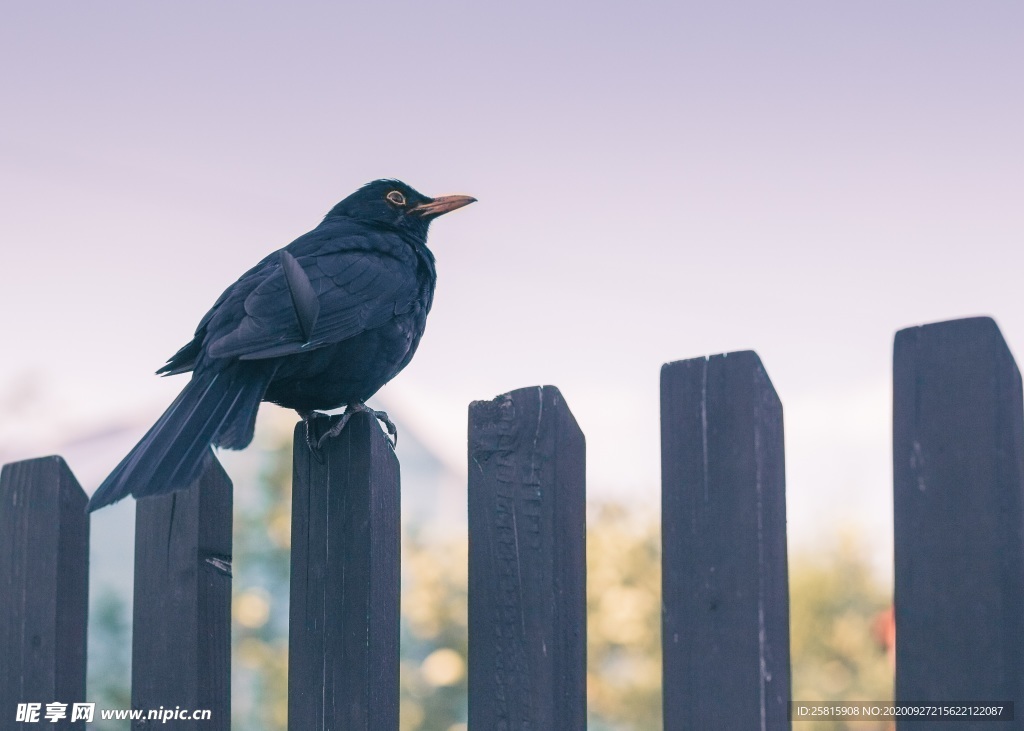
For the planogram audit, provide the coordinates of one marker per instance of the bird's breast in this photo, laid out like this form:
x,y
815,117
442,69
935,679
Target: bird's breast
x,y
352,370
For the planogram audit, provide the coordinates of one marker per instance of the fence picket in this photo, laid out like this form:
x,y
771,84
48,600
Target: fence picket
x,y
44,588
958,445
725,625
527,571
344,621
181,635
958,448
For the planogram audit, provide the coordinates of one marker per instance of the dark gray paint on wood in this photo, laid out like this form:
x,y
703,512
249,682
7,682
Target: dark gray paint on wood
x,y
725,594
527,564
958,441
44,588
344,614
181,636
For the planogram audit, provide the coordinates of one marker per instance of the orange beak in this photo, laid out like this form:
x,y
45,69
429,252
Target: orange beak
x,y
439,206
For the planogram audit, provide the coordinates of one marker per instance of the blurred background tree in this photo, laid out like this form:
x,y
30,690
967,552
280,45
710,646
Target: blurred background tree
x,y
841,634
840,626
623,619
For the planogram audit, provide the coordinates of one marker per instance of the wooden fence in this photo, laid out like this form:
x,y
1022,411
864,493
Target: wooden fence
x,y
958,440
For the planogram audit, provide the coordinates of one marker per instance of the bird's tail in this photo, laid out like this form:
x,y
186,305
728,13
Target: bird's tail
x,y
215,407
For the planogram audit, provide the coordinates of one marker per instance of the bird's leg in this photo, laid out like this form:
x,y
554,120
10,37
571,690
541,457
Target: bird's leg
x,y
311,441
354,408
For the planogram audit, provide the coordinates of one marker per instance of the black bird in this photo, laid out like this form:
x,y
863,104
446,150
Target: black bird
x,y
320,324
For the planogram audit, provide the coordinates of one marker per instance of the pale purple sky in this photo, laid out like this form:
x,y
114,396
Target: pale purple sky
x,y
656,181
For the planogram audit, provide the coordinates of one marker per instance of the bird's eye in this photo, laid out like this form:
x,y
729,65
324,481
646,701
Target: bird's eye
x,y
397,198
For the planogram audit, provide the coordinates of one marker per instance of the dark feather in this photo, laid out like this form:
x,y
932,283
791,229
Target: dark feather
x,y
214,407
356,291
307,307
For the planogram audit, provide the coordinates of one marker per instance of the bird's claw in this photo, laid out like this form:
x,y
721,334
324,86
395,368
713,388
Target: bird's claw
x,y
316,444
336,429
392,430
308,417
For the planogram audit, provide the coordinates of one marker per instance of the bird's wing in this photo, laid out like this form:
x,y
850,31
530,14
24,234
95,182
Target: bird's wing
x,y
356,289
231,301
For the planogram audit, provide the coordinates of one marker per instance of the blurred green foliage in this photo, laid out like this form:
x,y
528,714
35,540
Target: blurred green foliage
x,y
838,607
109,656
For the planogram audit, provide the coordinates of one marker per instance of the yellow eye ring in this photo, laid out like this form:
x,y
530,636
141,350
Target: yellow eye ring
x,y
397,198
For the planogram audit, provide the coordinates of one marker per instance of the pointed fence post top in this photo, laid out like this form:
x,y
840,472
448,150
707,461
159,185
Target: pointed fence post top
x,y
486,417
732,363
726,384
50,473
503,423
959,337
982,324
747,356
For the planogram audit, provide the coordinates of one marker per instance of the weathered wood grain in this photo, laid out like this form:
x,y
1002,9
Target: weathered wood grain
x,y
346,534
181,633
527,564
44,588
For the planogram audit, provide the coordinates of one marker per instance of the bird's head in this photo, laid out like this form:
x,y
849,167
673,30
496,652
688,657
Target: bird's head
x,y
394,204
